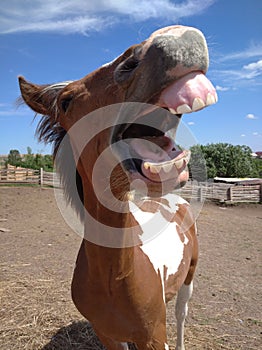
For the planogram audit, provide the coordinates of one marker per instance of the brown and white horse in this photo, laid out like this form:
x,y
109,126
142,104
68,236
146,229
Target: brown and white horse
x,y
140,247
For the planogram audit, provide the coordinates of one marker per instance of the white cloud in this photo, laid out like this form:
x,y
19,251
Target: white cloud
x,y
253,69
10,109
255,133
71,25
221,88
80,16
242,73
254,66
3,105
239,72
248,75
251,116
191,123
12,113
254,50
243,135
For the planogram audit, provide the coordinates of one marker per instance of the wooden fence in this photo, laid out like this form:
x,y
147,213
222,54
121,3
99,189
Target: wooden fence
x,y
14,175
227,193
221,192
19,176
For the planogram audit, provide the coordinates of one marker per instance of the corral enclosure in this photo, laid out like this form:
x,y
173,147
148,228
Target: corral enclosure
x,y
38,252
248,192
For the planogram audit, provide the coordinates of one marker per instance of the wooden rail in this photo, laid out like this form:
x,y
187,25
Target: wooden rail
x,y
19,176
228,193
26,176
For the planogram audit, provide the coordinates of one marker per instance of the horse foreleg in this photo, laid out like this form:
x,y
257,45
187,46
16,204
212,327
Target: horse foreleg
x,y
111,344
183,297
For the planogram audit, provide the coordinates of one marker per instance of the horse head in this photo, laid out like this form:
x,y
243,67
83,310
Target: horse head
x,y
151,85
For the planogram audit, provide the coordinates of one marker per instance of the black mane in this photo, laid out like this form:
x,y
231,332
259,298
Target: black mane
x,y
50,131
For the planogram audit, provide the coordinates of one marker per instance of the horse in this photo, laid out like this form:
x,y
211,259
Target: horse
x,y
140,247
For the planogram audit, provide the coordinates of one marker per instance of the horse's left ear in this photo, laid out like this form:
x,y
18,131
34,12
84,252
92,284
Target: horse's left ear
x,y
35,97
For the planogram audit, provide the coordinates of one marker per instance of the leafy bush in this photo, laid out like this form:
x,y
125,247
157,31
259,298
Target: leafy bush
x,y
223,160
30,160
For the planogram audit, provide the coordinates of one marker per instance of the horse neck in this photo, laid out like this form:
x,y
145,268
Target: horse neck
x,y
110,239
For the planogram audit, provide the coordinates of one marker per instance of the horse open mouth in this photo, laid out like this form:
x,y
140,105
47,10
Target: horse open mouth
x,y
148,140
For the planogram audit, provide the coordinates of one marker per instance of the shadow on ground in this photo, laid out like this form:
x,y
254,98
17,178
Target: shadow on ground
x,y
76,336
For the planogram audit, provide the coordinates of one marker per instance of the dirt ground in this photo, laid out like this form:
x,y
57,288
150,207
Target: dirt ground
x,y
38,252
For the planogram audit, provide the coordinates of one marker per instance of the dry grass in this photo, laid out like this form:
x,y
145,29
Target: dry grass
x,y
37,259
37,314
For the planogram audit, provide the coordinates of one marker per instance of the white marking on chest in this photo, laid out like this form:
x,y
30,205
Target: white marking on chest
x,y
166,250
161,241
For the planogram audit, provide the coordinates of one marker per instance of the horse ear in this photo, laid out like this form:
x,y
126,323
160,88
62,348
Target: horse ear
x,y
35,96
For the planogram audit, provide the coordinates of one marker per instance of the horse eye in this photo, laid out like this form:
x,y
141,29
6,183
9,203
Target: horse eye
x,y
125,69
129,65
65,103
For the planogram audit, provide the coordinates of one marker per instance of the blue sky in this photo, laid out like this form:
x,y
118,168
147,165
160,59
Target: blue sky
x,y
48,41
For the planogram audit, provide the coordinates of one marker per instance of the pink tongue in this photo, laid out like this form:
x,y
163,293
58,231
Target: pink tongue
x,y
153,149
186,89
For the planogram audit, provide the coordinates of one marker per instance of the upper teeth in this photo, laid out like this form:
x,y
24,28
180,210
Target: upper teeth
x,y
211,99
184,109
198,104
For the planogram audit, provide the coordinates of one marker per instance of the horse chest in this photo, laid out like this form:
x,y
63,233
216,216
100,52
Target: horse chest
x,y
166,251
163,242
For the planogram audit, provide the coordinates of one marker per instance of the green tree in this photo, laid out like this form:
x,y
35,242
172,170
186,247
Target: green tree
x,y
197,164
30,160
48,162
14,158
257,167
225,160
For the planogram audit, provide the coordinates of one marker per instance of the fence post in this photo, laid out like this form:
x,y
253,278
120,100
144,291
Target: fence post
x,y
230,192
200,193
41,177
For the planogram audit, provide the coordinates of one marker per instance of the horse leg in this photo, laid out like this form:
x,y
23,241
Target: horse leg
x,y
183,297
151,346
111,344
158,341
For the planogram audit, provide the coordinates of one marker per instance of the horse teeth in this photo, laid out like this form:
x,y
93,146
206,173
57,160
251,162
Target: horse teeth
x,y
183,109
198,103
211,99
146,165
187,158
155,169
167,167
173,111
179,163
